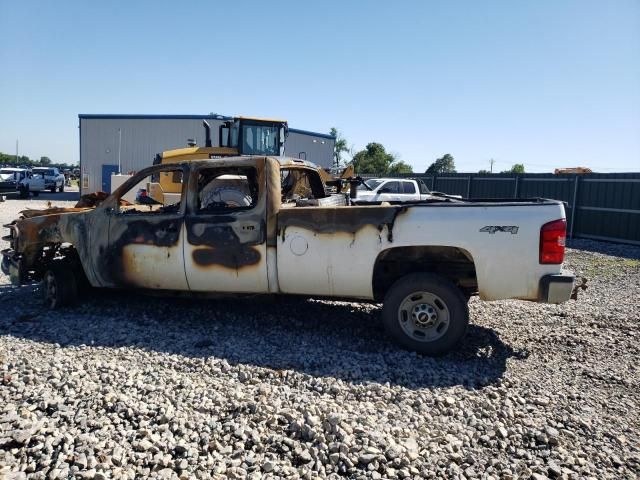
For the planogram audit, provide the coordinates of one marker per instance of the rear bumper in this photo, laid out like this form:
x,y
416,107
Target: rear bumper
x,y
556,288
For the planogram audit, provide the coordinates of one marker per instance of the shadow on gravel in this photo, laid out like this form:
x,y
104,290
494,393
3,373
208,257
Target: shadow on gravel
x,y
606,248
316,338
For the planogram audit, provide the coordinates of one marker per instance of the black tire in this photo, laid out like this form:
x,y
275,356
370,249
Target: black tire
x,y
35,193
59,287
24,191
429,306
61,189
53,189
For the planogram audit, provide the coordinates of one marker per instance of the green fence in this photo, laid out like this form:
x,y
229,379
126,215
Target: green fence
x,y
602,206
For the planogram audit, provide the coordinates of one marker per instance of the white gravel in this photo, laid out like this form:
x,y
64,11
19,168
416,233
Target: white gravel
x,y
126,386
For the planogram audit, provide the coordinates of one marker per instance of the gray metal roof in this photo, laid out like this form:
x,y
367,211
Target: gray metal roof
x,y
133,116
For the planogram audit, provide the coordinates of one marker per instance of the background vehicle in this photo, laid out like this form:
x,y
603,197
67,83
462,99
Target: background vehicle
x,y
572,170
392,190
265,225
54,179
23,180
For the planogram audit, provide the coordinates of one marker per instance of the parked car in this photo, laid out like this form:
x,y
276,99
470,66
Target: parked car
x,y
265,225
23,180
54,179
392,190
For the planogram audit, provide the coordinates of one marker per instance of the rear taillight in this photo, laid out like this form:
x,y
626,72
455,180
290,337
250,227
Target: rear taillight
x,y
552,239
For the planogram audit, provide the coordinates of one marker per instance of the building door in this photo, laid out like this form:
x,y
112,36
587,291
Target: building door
x,y
107,170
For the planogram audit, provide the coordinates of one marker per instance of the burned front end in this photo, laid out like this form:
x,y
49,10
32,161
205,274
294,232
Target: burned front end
x,y
36,239
10,262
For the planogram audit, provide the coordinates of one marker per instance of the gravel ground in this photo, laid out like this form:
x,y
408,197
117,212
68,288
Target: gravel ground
x,y
137,387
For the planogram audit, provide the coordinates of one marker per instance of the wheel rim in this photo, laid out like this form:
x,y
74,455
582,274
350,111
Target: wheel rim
x,y
50,290
424,316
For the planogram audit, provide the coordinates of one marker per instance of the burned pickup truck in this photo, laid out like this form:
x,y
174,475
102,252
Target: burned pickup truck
x,y
269,225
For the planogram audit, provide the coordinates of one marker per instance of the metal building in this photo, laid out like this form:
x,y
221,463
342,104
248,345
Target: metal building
x,y
128,143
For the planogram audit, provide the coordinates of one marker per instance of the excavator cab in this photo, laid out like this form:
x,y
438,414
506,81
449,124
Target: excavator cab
x,y
239,136
254,136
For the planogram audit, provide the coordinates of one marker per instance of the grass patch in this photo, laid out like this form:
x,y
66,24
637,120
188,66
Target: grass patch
x,y
609,267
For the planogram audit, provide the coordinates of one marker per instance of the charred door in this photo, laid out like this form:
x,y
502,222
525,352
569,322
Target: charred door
x,y
146,237
225,248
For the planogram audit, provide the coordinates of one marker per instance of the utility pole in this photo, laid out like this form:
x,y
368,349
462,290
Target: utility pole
x,y
119,148
491,167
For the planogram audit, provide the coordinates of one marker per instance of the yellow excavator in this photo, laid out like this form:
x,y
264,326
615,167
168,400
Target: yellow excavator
x,y
239,136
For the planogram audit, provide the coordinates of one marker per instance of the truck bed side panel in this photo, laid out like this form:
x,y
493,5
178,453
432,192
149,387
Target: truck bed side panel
x,y
332,251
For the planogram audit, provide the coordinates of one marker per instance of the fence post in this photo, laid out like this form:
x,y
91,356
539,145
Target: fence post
x,y
433,182
515,191
573,205
468,186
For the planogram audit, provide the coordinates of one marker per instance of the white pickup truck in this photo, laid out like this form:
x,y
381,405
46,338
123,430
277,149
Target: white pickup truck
x,y
54,179
391,190
22,180
266,225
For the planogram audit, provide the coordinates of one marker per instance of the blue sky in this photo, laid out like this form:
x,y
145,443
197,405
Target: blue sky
x,y
544,83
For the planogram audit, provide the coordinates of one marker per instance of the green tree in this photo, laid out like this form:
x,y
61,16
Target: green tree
x,y
444,164
339,148
400,167
10,159
484,172
375,159
517,168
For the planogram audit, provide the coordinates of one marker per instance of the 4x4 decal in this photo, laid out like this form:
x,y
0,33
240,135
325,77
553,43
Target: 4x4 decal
x,y
512,229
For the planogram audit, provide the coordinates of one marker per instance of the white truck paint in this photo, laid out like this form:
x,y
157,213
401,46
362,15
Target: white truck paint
x,y
506,265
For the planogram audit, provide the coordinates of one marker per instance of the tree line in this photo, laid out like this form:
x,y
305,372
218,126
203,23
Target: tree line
x,y
374,158
24,161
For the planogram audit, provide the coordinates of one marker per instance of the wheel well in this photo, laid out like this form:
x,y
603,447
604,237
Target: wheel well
x,y
454,263
39,260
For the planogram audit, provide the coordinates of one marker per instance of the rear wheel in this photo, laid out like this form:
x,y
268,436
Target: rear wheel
x,y
425,313
53,189
59,287
24,191
61,189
